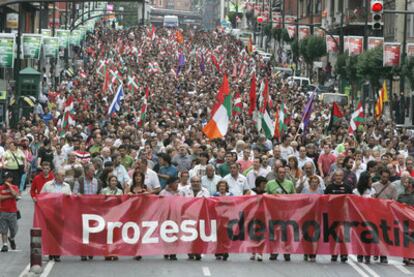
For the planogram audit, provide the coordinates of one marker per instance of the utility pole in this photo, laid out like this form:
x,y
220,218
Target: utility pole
x,y
297,35
341,37
366,25
402,78
311,17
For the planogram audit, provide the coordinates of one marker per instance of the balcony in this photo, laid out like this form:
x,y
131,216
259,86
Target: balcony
x,y
355,16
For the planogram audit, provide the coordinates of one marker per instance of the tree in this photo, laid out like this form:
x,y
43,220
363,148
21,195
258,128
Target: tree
x,y
312,48
346,67
370,67
408,71
267,30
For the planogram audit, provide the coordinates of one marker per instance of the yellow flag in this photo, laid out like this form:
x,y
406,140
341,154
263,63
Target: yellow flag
x,y
385,92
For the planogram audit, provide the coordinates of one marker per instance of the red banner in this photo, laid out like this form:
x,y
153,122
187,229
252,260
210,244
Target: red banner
x,y
374,42
410,50
355,45
392,53
332,43
152,225
304,32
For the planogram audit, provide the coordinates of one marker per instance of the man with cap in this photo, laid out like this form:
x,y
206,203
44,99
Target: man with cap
x,y
8,211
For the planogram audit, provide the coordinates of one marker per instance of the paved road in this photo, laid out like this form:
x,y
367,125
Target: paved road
x,y
13,263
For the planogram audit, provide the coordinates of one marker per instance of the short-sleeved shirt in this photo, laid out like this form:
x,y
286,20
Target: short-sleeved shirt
x,y
388,193
127,161
236,185
275,187
151,179
109,191
167,170
326,160
8,205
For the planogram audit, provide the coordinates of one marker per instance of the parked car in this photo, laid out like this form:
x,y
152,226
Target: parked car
x,y
330,98
300,81
283,72
266,56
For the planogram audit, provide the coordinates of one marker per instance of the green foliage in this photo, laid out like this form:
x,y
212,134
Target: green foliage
x,y
295,49
232,18
370,67
408,71
312,48
267,29
281,35
286,37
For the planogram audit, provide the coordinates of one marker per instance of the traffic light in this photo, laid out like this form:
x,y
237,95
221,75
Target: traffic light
x,y
377,8
259,23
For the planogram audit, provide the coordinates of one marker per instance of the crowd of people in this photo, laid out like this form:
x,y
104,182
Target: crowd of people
x,y
162,150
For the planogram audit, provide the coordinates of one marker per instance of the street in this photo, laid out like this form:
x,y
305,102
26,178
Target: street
x,y
15,263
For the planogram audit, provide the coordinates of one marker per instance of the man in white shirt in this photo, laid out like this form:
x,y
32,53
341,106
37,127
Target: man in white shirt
x,y
120,172
302,158
210,180
151,178
237,182
285,149
255,172
309,170
195,190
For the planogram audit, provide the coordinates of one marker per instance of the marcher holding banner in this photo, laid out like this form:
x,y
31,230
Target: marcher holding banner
x,y
338,187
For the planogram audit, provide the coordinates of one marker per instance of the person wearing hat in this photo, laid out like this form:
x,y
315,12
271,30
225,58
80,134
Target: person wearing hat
x,y
8,211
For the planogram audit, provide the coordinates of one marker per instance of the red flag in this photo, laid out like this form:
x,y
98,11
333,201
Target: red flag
x,y
224,90
214,60
252,95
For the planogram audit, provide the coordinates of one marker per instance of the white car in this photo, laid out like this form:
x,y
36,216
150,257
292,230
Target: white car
x,y
300,81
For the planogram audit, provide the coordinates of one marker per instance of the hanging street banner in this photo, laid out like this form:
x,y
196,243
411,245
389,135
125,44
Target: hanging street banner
x,y
46,32
75,37
355,45
277,20
304,32
31,45
63,36
12,20
332,43
50,47
100,225
83,30
7,47
319,32
392,54
374,42
410,49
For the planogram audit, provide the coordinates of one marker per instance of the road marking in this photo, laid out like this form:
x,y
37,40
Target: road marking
x,y
364,266
357,269
15,250
48,268
206,271
25,270
399,266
